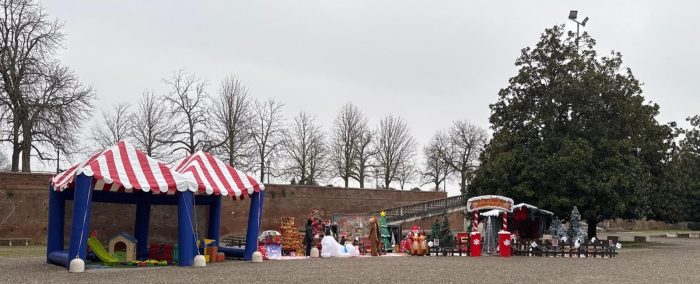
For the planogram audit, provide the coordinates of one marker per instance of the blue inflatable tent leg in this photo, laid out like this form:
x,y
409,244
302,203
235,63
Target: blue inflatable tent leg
x,y
80,226
143,216
185,234
214,228
57,211
251,238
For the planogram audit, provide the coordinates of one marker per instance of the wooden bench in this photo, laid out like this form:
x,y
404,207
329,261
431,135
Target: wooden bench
x,y
233,241
10,240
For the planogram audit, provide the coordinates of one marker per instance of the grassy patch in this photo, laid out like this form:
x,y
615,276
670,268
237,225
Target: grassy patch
x,y
22,251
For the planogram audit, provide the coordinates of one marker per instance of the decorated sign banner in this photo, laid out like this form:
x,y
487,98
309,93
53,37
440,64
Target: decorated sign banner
x,y
480,203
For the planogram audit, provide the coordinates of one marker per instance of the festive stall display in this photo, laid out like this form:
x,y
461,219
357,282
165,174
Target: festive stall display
x,y
291,240
271,244
354,225
477,203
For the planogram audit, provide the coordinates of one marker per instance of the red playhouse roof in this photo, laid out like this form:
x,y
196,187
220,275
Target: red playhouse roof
x,y
213,176
124,168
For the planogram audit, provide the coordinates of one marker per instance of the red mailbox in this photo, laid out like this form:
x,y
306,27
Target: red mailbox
x,y
475,239
504,243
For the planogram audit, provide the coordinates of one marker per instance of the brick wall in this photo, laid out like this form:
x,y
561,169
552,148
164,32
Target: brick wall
x,y
30,196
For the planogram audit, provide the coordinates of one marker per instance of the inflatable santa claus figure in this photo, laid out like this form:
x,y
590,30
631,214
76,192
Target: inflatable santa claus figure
x,y
413,241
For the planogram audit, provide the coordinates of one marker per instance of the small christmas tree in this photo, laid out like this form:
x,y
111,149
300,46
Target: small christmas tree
x,y
386,237
435,230
557,229
445,232
575,230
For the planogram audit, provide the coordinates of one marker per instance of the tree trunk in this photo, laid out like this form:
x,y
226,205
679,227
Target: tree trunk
x,y
16,148
463,183
262,170
346,179
592,223
26,151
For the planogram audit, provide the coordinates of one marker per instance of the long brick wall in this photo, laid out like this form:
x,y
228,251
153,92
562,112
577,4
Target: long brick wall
x,y
29,194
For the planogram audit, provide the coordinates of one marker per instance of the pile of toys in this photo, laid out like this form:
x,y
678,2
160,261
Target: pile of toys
x,y
164,252
291,240
145,263
211,251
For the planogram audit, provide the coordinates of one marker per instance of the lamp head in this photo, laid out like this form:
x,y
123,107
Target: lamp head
x,y
584,21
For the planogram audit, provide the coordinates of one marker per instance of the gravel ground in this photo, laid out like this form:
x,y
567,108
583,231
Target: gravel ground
x,y
669,261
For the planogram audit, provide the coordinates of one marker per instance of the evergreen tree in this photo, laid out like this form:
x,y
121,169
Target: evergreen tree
x,y
445,232
575,230
557,229
435,230
572,128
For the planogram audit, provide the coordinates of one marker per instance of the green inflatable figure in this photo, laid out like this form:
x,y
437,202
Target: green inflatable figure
x,y
386,237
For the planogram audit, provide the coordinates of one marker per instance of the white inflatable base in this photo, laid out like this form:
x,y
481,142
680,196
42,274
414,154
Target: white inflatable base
x,y
76,265
200,261
257,257
314,252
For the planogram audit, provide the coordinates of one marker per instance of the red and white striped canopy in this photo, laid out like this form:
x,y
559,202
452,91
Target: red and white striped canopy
x,y
124,168
213,176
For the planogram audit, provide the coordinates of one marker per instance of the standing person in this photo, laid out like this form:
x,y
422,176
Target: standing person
x,y
317,227
308,237
374,236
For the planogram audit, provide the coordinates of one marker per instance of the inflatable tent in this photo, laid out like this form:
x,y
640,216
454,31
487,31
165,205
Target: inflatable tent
x,y
213,176
122,174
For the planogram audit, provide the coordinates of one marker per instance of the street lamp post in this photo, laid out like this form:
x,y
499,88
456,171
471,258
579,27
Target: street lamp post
x,y
573,14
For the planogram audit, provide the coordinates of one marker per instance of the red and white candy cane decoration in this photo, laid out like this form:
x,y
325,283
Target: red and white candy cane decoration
x,y
505,221
476,221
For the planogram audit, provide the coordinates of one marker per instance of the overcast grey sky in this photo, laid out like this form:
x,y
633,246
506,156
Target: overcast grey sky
x,y
429,62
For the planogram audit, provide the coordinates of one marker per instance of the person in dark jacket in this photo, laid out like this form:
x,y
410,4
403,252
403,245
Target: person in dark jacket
x,y
309,237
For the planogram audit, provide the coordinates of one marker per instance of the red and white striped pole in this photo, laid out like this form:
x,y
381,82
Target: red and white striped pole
x,y
505,221
476,221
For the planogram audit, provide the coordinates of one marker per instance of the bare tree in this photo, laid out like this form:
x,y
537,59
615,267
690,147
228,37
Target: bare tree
x,y
345,136
151,127
188,110
407,172
45,100
266,130
116,126
460,149
364,153
435,169
395,146
4,160
304,150
232,117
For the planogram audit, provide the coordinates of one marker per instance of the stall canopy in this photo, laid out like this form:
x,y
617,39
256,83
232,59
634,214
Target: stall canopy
x,y
123,168
213,176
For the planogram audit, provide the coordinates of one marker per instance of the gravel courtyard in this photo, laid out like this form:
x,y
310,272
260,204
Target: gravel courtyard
x,y
665,261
